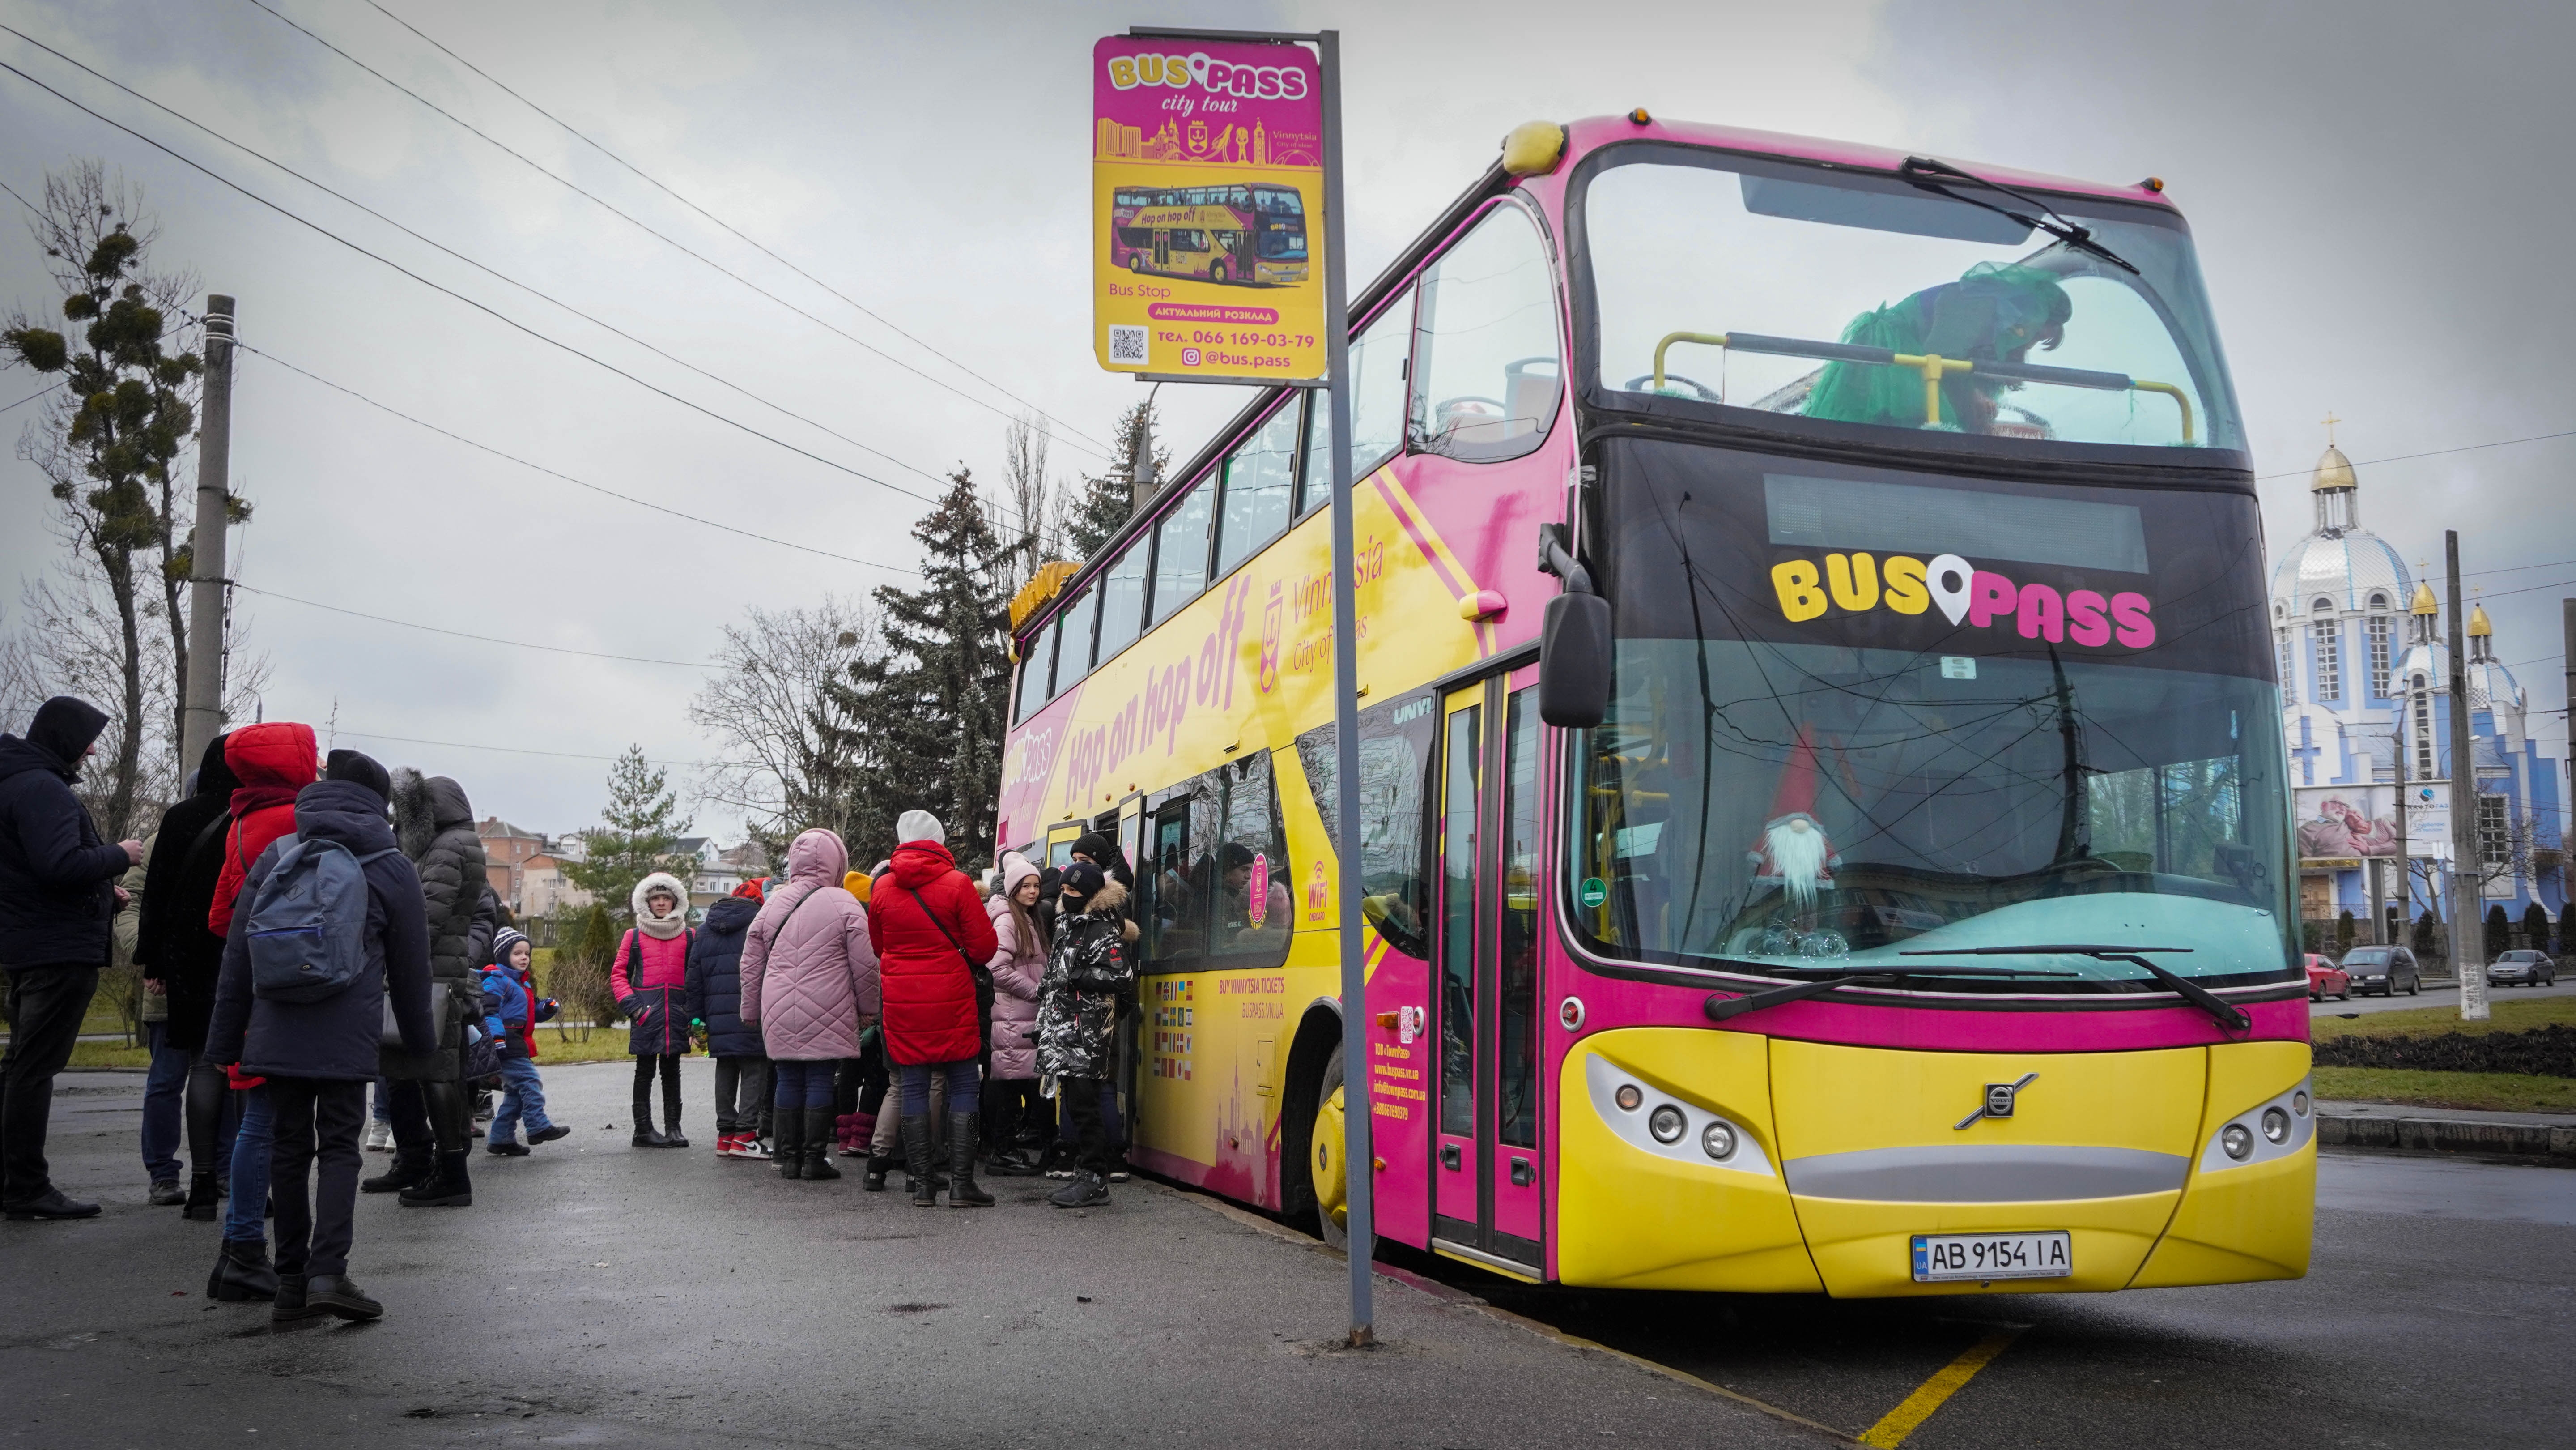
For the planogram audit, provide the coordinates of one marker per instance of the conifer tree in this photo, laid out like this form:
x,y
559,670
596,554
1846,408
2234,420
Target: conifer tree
x,y
1094,514
931,710
636,836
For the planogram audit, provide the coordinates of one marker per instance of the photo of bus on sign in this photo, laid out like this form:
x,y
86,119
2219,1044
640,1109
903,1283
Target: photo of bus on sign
x,y
1251,233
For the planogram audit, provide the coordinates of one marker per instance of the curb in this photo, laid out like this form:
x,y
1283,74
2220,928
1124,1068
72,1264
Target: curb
x,y
2447,1135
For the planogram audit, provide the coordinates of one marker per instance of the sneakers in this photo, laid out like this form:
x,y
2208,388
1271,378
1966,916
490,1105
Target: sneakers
x,y
549,1133
380,1136
1085,1190
741,1145
506,1149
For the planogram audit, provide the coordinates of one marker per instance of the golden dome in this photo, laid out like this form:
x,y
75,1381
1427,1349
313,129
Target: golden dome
x,y
2478,626
2423,601
2333,471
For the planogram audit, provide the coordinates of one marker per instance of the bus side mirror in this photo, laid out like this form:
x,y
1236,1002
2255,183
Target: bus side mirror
x,y
1574,661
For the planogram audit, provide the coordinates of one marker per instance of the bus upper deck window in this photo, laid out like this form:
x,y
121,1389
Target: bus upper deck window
x,y
1377,403
1034,672
1181,551
1122,603
1487,375
1257,480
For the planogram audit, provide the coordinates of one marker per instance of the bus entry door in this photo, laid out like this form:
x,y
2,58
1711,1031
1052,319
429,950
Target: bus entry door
x,y
1488,1198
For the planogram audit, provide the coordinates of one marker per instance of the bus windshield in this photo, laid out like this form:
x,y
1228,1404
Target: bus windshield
x,y
1806,293
1859,713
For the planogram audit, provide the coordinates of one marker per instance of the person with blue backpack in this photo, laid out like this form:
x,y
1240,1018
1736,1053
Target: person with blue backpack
x,y
510,1010
331,942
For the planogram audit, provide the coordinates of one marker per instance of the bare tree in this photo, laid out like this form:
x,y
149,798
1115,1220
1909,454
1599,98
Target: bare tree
x,y
1022,513
111,444
775,724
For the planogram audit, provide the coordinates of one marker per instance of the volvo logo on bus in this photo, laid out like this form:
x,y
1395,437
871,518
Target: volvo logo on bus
x,y
1998,1102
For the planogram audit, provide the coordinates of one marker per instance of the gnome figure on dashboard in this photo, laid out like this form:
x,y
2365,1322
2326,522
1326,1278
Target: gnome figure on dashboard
x,y
1794,853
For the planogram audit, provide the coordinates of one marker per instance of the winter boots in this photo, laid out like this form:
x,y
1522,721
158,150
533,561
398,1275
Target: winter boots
x,y
447,1185
202,1198
671,1137
645,1136
916,1162
818,1144
790,1151
963,1191
409,1170
855,1131
242,1272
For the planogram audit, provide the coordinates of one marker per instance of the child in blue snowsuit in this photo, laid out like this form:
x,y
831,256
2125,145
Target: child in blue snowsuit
x,y
511,1011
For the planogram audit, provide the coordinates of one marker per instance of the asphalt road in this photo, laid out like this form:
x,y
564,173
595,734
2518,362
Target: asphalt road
x,y
597,1294
2437,996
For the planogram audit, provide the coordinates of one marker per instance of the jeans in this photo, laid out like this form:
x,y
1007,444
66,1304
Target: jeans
x,y
384,1106
964,1086
802,1085
318,1124
742,1093
46,1005
522,1096
246,1212
163,1086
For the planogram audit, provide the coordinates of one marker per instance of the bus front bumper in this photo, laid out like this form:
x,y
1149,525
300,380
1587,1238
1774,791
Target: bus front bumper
x,y
1836,1158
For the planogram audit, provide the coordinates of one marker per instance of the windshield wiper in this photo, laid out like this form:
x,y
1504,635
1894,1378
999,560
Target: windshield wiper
x,y
1919,171
1720,1008
2228,1016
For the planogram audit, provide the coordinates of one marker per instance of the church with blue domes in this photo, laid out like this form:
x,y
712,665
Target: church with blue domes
x,y
2366,702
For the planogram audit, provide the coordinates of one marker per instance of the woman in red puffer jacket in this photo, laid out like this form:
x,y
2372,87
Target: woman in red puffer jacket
x,y
928,925
273,762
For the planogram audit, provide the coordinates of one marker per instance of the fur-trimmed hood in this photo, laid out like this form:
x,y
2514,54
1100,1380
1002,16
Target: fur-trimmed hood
x,y
1109,901
425,806
644,920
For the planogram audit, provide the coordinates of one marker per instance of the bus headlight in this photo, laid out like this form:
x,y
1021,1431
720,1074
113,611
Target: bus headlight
x,y
1628,1097
2276,1125
1667,1124
1718,1141
2237,1142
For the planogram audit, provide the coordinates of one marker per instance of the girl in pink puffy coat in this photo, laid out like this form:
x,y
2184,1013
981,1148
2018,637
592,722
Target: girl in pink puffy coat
x,y
809,984
1018,966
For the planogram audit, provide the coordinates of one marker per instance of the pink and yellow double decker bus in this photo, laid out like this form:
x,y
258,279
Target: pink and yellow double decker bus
x,y
1903,905
1252,233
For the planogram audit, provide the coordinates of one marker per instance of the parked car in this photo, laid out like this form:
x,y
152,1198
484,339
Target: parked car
x,y
2325,979
2384,970
2522,968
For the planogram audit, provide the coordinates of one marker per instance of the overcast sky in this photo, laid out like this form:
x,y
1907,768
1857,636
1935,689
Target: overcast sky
x,y
2377,191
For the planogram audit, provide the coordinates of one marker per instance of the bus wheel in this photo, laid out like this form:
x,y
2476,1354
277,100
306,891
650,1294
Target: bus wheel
x,y
1325,1167
1216,271
1136,264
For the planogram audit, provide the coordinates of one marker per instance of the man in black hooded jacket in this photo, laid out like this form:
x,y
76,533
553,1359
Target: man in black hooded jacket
x,y
58,900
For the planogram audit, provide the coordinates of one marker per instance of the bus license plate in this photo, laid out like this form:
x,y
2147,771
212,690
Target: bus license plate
x,y
1941,1257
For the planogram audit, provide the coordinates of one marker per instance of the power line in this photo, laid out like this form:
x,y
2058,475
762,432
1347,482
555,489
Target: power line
x,y
40,392
729,227
2430,453
558,473
481,307
612,210
520,750
460,634
488,271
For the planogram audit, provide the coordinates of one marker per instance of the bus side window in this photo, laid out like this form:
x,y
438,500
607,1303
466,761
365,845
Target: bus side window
x,y
1250,914
1487,374
1073,656
1377,404
1173,915
1257,480
1395,761
1181,551
1122,602
1034,672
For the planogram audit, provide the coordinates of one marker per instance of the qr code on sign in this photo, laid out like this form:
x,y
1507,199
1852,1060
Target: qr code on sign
x,y
1126,344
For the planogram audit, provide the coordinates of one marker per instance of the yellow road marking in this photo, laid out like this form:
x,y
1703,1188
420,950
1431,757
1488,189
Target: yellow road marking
x,y
1908,1417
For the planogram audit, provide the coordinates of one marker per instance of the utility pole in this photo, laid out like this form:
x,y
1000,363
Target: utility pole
x,y
2468,891
202,718
2567,812
2405,865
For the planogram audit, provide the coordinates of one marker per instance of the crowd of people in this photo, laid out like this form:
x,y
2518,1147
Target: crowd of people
x,y
308,929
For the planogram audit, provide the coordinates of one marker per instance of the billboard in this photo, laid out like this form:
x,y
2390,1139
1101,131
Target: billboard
x,y
2349,822
1207,181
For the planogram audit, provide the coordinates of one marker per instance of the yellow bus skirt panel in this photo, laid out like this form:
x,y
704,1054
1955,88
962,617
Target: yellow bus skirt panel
x,y
1642,1201
1879,1145
2252,1218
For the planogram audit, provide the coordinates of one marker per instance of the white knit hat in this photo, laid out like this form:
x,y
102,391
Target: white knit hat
x,y
914,826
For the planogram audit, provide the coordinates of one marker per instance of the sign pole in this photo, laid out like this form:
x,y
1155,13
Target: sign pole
x,y
1359,1159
